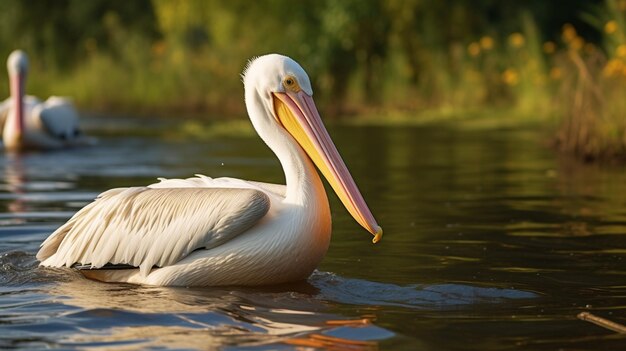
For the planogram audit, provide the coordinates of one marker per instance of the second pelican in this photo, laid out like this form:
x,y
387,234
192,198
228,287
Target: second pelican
x,y
205,232
32,124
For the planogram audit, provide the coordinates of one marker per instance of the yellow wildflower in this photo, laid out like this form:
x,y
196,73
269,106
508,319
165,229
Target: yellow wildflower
x,y
473,49
549,47
610,27
613,67
486,43
517,40
510,76
569,32
555,73
158,48
577,43
621,51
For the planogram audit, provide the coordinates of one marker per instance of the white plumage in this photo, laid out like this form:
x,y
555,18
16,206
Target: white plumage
x,y
203,231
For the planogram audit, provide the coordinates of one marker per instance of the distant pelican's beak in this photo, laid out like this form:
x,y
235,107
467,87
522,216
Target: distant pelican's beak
x,y
296,111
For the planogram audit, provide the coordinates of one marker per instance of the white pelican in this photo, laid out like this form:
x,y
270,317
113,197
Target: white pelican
x,y
207,232
32,124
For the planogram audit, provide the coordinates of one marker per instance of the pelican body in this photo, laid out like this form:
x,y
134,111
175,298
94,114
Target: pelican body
x,y
202,231
32,124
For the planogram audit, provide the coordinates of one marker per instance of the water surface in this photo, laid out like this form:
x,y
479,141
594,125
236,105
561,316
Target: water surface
x,y
492,242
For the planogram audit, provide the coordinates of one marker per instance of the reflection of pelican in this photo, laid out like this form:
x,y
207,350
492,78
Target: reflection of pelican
x,y
203,231
32,124
15,177
200,318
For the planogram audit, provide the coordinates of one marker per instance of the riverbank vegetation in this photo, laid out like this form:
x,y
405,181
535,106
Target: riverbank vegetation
x,y
561,63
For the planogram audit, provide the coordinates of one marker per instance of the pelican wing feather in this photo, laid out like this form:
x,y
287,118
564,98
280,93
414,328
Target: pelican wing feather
x,y
59,117
146,227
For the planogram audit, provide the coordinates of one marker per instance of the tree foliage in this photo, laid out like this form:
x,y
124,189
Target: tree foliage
x,y
353,49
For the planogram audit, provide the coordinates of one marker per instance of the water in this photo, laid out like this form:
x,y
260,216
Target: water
x,y
491,242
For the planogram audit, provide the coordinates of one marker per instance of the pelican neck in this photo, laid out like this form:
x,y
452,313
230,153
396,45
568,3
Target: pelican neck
x,y
301,177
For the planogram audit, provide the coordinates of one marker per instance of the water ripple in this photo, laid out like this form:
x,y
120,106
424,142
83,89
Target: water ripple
x,y
362,292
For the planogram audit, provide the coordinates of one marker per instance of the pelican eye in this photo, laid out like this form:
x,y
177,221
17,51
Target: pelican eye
x,y
290,83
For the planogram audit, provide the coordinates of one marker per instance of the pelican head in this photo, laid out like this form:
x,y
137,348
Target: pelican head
x,y
17,65
283,89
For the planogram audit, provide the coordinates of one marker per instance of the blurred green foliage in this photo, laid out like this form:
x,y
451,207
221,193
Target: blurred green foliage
x,y
57,33
186,54
418,59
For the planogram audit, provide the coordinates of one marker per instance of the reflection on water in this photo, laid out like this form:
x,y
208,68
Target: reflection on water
x,y
15,183
55,307
88,313
492,243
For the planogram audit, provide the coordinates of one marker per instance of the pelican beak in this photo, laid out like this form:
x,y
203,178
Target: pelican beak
x,y
297,113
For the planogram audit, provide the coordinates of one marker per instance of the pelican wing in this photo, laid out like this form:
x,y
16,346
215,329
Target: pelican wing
x,y
146,227
59,117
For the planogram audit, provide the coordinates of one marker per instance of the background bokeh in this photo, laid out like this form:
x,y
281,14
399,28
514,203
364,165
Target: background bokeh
x,y
562,61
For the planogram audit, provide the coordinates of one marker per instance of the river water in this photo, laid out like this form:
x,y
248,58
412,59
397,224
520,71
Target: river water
x,y
492,242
